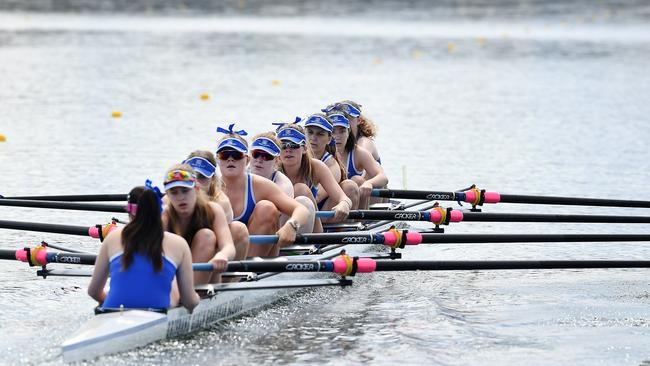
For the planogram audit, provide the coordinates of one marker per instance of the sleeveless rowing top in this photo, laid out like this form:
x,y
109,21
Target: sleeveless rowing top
x,y
326,156
249,203
274,175
352,170
140,286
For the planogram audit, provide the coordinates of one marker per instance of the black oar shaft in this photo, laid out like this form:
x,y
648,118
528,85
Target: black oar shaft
x,y
76,198
577,201
419,195
63,205
402,265
46,228
529,238
518,217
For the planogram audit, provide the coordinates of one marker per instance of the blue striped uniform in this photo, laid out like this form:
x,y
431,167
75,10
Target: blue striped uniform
x,y
249,203
140,286
326,156
352,170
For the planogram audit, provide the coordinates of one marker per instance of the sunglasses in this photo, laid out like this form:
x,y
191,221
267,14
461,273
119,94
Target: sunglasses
x,y
257,154
227,154
290,145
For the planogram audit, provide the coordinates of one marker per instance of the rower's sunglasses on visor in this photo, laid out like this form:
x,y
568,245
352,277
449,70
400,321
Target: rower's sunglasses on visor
x,y
258,154
227,154
290,145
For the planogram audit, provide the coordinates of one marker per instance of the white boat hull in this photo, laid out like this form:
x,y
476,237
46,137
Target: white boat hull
x,y
122,331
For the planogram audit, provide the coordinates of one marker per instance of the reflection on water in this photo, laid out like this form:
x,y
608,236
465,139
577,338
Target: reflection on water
x,y
510,98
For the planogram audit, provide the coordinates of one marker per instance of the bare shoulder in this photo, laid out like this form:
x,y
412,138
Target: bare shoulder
x,y
318,165
216,207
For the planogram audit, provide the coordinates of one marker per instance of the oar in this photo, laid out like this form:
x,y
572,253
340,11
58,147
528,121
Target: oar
x,y
480,197
440,216
343,265
75,198
63,205
396,238
97,231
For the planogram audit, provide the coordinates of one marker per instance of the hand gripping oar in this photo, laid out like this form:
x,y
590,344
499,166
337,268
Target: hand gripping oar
x,y
97,231
478,197
63,205
75,198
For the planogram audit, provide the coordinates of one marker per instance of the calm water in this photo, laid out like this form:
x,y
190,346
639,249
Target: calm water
x,y
536,98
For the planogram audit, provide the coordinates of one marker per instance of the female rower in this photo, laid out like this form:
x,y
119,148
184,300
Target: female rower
x,y
306,173
265,149
204,165
362,128
142,261
256,201
319,134
200,222
361,167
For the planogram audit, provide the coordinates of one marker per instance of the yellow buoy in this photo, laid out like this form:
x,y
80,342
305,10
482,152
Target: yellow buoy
x,y
205,96
275,82
416,54
481,41
3,138
451,47
116,114
377,61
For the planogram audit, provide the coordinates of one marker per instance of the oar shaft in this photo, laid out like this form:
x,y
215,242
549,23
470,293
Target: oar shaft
x,y
528,238
505,265
419,195
76,198
518,217
46,228
63,205
576,201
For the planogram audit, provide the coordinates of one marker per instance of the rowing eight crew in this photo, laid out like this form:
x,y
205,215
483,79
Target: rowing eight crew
x,y
288,182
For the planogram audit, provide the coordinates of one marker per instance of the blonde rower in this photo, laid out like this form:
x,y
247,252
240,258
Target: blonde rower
x,y
200,222
319,135
306,173
205,166
256,201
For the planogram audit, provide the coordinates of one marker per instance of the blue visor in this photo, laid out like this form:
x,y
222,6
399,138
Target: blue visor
x,y
201,165
349,109
338,119
292,135
266,144
232,143
319,121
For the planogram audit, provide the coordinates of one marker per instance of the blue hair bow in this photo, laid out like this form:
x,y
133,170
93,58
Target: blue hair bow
x,y
148,185
231,131
280,124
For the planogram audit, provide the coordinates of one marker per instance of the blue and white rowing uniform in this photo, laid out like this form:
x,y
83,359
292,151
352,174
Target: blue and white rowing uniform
x,y
140,286
249,202
274,176
352,170
326,156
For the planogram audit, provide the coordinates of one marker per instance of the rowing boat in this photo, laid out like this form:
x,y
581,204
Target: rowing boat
x,y
119,331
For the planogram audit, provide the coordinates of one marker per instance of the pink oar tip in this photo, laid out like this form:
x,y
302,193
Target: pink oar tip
x,y
93,232
389,238
436,216
470,196
456,216
492,197
413,238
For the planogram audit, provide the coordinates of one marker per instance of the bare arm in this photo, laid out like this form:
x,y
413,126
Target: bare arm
x,y
101,271
323,175
225,246
373,170
267,190
184,273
